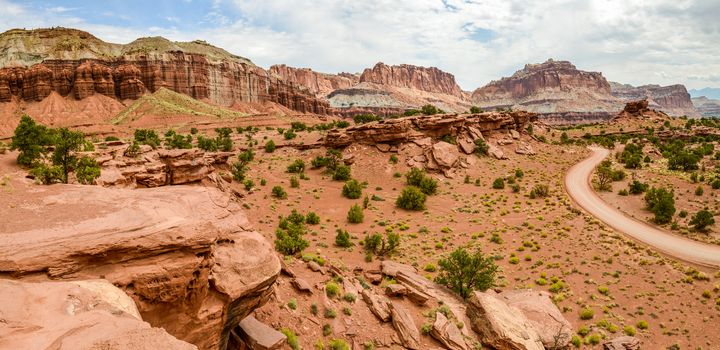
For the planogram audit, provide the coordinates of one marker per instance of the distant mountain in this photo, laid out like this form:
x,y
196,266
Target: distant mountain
x,y
711,93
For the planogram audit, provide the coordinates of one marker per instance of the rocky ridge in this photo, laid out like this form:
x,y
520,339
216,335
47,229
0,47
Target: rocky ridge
x,y
76,64
673,100
707,107
319,84
413,77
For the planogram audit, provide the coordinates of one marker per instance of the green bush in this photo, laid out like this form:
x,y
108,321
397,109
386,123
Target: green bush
x,y
699,191
498,183
411,198
431,110
661,202
147,137
223,139
298,166
332,289
464,272
637,187
240,167
312,219
342,239
249,184
475,110
352,189
173,140
394,159
481,147
292,338
294,182
355,214
702,219
87,170
193,131
341,173
289,235
270,146
418,178
586,314
47,175
365,118
339,344
540,191
381,245
289,135
279,192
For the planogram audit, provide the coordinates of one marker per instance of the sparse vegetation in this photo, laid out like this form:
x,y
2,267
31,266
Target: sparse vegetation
x,y
464,272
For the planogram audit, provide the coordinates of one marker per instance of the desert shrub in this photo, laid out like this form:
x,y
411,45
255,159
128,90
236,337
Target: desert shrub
x,y
289,235
618,175
661,203
355,214
604,176
683,160
47,175
292,338
365,118
699,191
586,314
289,135
312,219
193,131
270,146
431,110
481,147
341,173
702,219
248,184
637,187
539,191
279,192
475,109
464,272
87,170
411,198
173,140
623,192
338,344
147,137
298,126
342,239
223,139
629,330
206,144
294,182
297,166
498,183
418,178
381,245
352,189
642,324
394,159
332,289
240,167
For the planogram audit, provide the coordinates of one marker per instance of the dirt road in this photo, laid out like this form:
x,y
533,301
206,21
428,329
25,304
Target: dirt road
x,y
577,184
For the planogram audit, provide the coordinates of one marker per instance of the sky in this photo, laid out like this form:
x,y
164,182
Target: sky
x,y
630,41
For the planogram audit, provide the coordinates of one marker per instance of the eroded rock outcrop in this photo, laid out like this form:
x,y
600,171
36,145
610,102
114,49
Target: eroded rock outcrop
x,y
673,99
552,86
707,107
75,63
639,110
90,314
186,255
501,326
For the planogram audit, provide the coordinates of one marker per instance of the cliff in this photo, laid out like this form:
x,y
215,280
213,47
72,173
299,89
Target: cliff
x,y
76,64
552,86
412,77
319,84
707,107
673,99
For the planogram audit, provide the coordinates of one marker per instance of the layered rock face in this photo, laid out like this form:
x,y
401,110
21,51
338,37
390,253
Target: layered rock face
x,y
63,62
639,110
91,314
319,84
707,107
673,99
186,255
412,77
552,86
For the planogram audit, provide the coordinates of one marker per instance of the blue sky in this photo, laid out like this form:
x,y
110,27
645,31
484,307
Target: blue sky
x,y
637,42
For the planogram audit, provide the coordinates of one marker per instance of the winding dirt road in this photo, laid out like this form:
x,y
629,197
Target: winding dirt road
x,y
577,184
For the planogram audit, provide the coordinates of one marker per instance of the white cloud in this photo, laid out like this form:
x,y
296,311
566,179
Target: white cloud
x,y
637,42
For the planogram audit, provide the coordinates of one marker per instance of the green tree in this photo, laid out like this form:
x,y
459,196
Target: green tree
x,y
240,167
87,170
66,144
464,272
270,146
355,214
604,176
381,245
411,198
661,202
289,235
342,239
223,140
31,139
702,219
352,189
475,110
47,174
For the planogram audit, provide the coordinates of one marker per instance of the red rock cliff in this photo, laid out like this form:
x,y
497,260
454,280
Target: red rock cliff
x,y
551,86
77,64
672,99
319,84
413,77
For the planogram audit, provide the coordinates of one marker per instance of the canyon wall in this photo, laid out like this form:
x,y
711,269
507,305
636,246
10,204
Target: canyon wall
x,y
413,77
76,64
319,84
707,107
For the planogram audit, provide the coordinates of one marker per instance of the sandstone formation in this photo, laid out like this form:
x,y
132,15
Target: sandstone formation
x,y
76,64
673,100
91,314
707,107
546,319
500,325
549,87
186,255
413,77
319,84
639,110
258,336
622,343
405,327
447,333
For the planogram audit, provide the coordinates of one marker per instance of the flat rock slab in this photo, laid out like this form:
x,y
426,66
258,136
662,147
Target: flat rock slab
x,y
403,323
501,326
259,336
